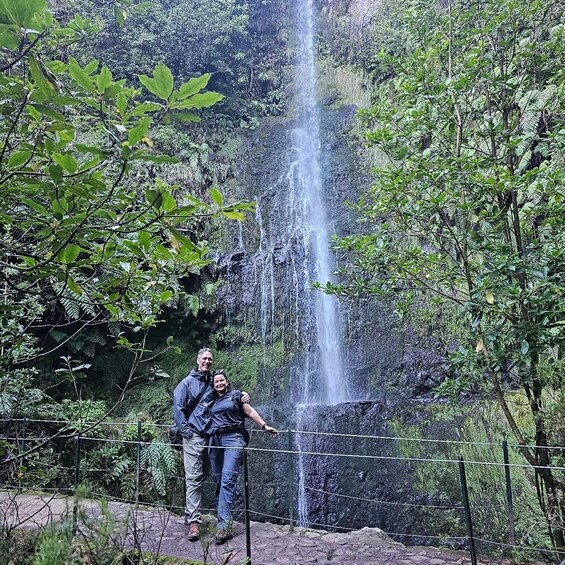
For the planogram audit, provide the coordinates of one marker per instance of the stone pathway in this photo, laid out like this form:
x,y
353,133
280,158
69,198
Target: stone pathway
x,y
163,533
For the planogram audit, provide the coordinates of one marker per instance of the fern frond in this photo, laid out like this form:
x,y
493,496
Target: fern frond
x,y
97,338
159,460
71,307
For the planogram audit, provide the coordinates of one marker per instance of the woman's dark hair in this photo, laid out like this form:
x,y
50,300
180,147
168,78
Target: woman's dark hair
x,y
222,372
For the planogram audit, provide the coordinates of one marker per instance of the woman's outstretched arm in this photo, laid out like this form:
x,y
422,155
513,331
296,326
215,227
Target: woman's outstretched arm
x,y
254,415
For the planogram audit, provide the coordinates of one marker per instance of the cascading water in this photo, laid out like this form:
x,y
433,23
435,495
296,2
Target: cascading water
x,y
281,337
307,182
330,386
289,253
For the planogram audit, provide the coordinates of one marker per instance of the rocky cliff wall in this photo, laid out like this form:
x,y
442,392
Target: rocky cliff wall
x,y
257,297
355,477
261,314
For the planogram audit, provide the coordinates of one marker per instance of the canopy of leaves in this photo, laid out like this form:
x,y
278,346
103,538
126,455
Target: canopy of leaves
x,y
234,41
469,206
80,244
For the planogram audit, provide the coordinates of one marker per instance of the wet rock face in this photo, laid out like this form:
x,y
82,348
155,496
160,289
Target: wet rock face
x,y
386,365
264,286
353,476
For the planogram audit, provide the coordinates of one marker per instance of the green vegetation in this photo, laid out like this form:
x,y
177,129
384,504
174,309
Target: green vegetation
x,y
97,240
237,42
84,245
109,215
481,434
469,208
245,364
98,544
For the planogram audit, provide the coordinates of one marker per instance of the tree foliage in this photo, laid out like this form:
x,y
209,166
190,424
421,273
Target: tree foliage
x,y
469,206
82,245
237,42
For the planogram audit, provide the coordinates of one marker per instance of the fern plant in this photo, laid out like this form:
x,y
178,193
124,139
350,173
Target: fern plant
x,y
159,462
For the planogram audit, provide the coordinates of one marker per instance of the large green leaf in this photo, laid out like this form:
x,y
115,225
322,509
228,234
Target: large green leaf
x,y
104,79
80,76
194,85
74,286
203,100
18,158
216,196
9,37
144,239
21,12
234,215
49,112
144,108
183,240
69,253
66,161
34,205
161,85
91,66
137,133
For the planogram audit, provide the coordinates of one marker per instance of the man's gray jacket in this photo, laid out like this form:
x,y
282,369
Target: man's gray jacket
x,y
192,402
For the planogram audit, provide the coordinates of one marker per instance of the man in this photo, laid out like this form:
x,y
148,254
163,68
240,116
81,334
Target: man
x,y
192,402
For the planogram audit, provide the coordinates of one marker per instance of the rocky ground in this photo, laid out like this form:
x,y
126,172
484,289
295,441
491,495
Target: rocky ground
x,y
162,533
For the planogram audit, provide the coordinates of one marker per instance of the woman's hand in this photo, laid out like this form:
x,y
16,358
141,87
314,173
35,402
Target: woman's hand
x,y
274,432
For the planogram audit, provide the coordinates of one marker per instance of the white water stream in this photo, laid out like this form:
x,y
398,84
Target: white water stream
x,y
293,253
330,386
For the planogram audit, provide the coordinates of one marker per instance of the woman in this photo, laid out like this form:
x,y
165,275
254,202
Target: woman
x,y
228,437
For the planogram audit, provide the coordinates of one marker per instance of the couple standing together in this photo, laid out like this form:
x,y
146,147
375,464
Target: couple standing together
x,y
210,414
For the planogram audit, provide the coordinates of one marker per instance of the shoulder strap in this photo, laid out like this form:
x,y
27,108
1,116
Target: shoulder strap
x,y
197,400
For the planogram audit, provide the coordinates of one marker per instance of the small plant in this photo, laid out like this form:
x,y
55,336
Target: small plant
x,y
56,547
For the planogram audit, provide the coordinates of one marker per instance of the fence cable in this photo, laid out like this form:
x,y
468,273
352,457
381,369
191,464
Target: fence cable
x,y
305,432
387,502
329,454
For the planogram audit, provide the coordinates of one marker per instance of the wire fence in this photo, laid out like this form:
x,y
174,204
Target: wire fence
x,y
478,496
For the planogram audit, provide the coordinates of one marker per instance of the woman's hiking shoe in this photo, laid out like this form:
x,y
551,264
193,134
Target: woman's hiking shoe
x,y
193,532
221,537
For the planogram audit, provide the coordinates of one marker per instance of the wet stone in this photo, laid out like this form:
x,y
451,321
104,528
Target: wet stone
x,y
308,543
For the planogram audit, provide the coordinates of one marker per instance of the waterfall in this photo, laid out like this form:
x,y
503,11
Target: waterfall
x,y
330,386
290,254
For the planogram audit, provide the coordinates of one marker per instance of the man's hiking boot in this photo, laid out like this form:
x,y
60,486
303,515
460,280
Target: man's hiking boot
x,y
193,532
221,537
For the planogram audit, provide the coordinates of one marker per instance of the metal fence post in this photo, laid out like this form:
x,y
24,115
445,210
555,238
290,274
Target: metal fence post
x,y
467,506
22,458
509,501
136,540
290,481
137,464
77,479
246,497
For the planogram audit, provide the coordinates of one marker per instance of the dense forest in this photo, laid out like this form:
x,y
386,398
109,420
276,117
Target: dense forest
x,y
128,133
